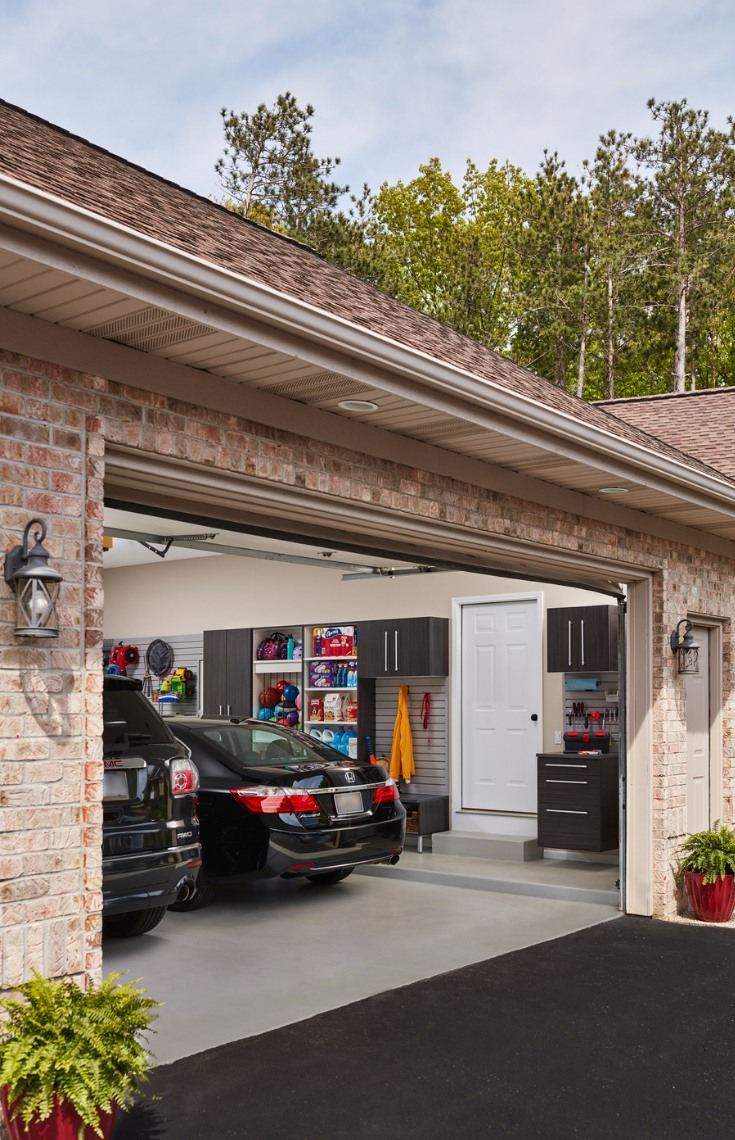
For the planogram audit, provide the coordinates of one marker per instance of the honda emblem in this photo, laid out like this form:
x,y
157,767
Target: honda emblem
x,y
350,777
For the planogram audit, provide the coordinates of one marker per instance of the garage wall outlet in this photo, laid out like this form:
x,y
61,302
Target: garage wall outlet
x,y
557,737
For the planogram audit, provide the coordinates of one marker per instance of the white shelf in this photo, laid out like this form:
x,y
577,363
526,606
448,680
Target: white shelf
x,y
345,657
277,666
329,723
331,689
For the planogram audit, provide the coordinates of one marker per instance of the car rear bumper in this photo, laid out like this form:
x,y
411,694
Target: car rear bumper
x,y
153,878
294,853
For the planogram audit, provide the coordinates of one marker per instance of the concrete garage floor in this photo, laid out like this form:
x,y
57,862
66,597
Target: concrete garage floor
x,y
272,953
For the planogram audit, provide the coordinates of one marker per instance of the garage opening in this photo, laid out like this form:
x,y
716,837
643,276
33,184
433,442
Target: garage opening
x,y
500,674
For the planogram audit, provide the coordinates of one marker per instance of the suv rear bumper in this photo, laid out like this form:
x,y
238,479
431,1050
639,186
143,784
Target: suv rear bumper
x,y
150,879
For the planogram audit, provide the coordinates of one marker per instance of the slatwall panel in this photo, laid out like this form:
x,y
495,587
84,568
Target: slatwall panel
x,y
431,759
188,651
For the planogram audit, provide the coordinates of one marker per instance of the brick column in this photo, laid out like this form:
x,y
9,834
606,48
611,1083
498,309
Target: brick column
x,y
50,777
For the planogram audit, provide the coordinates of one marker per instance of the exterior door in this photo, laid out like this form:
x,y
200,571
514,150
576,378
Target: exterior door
x,y
698,737
501,705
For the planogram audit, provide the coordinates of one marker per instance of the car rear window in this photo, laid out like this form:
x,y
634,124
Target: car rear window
x,y
127,713
251,744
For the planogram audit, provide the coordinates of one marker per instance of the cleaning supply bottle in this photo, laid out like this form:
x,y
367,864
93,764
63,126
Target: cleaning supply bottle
x,y
289,648
317,642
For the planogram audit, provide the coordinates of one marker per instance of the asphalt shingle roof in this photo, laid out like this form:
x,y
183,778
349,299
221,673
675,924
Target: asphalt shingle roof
x,y
702,423
49,158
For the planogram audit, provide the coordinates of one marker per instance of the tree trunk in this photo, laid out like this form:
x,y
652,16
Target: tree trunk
x,y
610,341
582,354
680,355
692,366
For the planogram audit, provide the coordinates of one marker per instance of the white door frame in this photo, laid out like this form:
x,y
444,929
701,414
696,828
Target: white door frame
x,y
716,761
475,819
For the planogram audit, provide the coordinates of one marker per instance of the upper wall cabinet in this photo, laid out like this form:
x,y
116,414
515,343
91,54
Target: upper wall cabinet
x,y
403,647
582,639
227,688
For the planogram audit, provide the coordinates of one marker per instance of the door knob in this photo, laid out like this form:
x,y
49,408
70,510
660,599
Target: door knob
x,y
534,716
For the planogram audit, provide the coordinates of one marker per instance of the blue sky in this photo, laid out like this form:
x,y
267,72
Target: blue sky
x,y
393,81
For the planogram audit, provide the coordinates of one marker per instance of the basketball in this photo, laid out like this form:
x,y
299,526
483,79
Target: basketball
x,y
269,698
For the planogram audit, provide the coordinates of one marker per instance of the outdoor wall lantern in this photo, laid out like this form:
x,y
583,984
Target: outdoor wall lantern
x,y
685,648
35,584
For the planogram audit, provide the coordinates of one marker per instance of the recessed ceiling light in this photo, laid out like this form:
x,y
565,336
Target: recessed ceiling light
x,y
613,490
358,405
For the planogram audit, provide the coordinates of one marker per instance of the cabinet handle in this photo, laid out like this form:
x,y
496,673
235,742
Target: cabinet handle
x,y
570,645
220,710
396,651
582,625
386,650
566,781
550,765
566,811
229,710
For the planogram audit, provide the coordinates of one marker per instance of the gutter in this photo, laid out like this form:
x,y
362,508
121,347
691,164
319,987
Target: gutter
x,y
32,210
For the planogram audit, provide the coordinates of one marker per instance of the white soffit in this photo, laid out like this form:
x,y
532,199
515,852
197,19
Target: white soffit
x,y
31,287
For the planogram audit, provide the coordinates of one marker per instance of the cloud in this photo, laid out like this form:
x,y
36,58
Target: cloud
x,y
394,81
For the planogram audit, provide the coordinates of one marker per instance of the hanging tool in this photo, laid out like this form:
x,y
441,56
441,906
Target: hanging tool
x,y
371,752
426,713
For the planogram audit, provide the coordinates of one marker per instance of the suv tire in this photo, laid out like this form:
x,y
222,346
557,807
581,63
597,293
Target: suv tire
x,y
202,895
133,922
326,878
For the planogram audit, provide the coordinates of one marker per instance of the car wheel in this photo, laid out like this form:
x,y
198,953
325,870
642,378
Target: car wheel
x,y
326,878
202,895
133,923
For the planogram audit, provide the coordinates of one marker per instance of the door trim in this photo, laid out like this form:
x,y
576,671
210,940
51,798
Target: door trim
x,y
455,768
716,700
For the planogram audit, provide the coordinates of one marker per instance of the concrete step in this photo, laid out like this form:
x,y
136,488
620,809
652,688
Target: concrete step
x,y
545,879
510,848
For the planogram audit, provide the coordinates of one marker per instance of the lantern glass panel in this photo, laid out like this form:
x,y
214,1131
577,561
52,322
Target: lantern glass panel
x,y
689,659
36,614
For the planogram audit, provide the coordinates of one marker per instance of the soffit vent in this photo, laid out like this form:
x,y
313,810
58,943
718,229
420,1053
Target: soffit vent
x,y
150,329
319,388
541,462
445,429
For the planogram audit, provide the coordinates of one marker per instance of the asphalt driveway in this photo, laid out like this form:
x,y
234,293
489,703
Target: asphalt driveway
x,y
617,1031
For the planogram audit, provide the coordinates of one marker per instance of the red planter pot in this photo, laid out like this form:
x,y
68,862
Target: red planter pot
x,y
711,902
62,1124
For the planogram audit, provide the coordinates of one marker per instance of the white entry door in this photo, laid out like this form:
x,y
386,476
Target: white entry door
x,y
698,731
501,705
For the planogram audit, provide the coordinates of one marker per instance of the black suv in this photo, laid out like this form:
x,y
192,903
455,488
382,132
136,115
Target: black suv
x,y
150,834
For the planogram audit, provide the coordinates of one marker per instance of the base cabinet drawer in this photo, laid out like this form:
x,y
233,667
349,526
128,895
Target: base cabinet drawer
x,y
578,802
575,827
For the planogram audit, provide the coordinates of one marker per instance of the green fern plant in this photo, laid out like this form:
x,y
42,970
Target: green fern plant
x,y
709,853
81,1046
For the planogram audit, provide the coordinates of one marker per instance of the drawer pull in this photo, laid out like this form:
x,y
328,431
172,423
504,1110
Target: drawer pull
x,y
566,781
566,811
550,765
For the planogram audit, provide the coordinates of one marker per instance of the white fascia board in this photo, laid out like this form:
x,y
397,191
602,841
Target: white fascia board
x,y
31,209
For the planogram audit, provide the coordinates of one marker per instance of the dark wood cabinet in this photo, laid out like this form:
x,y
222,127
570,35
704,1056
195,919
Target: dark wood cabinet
x,y
227,689
403,647
578,802
582,639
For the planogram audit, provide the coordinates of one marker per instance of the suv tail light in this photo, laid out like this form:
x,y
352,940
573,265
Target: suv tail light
x,y
386,793
184,777
271,801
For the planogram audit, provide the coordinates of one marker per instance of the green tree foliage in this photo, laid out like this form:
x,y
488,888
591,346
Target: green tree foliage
x,y
619,282
82,1047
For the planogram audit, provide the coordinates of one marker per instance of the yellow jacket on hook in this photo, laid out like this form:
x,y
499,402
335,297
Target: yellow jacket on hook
x,y
401,754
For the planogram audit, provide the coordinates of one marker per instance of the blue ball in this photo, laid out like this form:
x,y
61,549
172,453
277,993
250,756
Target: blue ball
x,y
265,714
290,693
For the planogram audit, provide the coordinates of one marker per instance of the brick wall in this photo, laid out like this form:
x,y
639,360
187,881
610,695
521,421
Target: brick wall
x,y
53,426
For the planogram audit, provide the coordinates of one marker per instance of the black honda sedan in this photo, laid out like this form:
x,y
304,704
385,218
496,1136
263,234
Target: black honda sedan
x,y
275,802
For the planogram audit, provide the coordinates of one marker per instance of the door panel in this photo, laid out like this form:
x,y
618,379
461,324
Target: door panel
x,y
501,690
372,649
214,692
698,738
239,672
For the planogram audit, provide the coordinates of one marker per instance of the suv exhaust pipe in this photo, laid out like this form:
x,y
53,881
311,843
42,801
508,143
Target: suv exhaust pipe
x,y
393,860
186,891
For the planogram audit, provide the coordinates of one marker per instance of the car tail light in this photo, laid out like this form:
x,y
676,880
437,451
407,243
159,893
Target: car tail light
x,y
184,777
272,801
387,792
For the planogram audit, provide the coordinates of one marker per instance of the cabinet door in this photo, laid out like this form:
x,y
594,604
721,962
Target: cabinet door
x,y
214,690
598,638
419,647
239,689
562,640
373,656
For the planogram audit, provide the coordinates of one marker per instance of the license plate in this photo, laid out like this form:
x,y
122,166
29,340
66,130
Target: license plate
x,y
348,803
115,786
